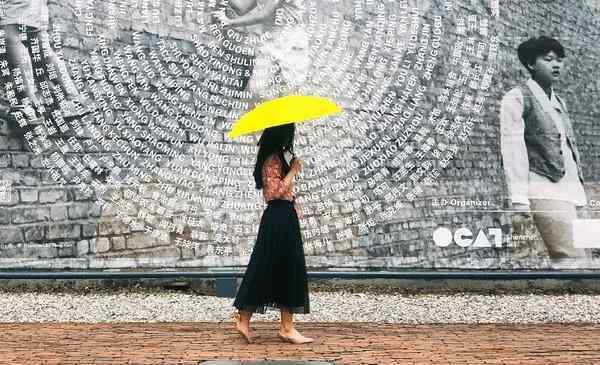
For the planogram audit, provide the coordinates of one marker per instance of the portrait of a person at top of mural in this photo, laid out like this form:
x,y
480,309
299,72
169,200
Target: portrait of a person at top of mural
x,y
25,26
541,161
282,59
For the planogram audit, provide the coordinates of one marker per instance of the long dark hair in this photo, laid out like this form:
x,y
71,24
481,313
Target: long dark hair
x,y
274,140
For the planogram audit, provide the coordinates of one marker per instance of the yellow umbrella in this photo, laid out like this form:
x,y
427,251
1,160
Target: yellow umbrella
x,y
283,110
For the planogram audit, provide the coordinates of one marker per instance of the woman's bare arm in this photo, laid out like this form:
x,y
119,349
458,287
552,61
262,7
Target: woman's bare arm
x,y
255,16
242,7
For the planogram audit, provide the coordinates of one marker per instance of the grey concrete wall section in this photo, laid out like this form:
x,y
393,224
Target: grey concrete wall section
x,y
47,225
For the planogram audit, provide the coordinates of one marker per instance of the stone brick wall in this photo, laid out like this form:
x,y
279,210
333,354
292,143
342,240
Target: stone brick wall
x,y
48,224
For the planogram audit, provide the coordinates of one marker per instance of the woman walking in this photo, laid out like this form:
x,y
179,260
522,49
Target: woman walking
x,y
276,274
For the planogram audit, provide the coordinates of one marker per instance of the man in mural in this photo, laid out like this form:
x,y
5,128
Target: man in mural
x,y
539,150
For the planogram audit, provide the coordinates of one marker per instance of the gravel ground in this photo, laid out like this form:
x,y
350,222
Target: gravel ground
x,y
158,305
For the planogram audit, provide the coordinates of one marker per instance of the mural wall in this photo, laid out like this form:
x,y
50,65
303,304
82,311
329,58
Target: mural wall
x,y
412,173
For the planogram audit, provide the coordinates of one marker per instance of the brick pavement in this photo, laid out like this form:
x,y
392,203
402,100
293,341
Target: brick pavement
x,y
340,343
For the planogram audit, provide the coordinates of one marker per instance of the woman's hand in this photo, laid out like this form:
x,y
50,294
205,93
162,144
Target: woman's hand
x,y
295,165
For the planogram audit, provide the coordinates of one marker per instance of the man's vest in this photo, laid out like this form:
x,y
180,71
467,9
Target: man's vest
x,y
543,139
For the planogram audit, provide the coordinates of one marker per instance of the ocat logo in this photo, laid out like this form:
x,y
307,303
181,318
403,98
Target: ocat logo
x,y
463,237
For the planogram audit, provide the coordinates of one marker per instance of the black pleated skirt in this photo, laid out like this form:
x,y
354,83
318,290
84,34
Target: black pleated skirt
x,y
276,274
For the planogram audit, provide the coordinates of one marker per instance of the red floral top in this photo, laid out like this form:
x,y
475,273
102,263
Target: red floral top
x,y
274,186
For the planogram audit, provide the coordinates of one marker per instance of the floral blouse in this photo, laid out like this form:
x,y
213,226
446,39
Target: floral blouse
x,y
274,186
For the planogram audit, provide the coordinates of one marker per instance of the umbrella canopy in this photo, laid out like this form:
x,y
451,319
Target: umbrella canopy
x,y
283,110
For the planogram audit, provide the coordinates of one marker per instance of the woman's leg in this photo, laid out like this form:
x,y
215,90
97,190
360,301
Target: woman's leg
x,y
245,318
17,57
286,320
50,58
242,323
